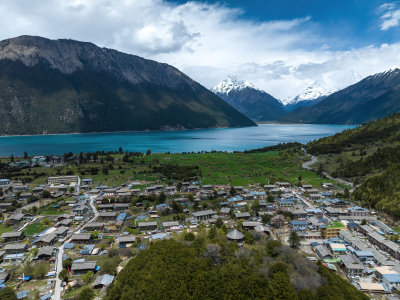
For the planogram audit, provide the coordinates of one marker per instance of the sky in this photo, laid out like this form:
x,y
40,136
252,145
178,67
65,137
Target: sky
x,y
281,46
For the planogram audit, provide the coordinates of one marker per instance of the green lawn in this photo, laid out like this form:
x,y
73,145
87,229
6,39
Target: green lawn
x,y
34,228
217,168
4,228
244,168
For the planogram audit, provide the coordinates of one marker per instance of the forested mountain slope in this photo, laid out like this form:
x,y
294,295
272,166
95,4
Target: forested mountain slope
x,y
368,155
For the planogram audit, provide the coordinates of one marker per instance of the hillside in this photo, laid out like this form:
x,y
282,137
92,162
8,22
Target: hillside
x,y
215,269
250,101
61,86
368,155
370,99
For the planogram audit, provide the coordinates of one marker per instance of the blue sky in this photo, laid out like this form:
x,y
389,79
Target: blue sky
x,y
351,23
281,46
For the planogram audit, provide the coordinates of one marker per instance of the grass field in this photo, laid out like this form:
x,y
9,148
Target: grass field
x,y
216,168
4,229
244,168
34,228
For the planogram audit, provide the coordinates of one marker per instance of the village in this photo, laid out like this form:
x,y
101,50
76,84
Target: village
x,y
80,233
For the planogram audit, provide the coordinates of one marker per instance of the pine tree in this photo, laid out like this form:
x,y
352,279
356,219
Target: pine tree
x,y
294,240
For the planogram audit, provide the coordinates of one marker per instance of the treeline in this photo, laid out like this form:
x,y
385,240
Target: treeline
x,y
196,270
278,147
382,191
386,130
382,159
178,172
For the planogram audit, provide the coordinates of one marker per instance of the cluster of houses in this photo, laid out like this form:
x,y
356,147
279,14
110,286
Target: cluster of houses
x,y
332,226
364,255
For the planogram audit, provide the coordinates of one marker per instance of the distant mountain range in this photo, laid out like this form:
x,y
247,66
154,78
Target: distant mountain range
x,y
61,86
372,98
250,101
310,96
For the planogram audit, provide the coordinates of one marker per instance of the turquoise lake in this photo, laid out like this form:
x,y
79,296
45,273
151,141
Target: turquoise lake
x,y
226,139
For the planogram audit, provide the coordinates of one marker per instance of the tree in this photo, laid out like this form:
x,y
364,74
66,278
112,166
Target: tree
x,y
8,294
270,198
67,263
189,236
346,193
148,152
28,269
281,287
212,233
271,247
110,265
46,221
46,194
105,171
266,219
248,237
294,240
63,275
219,223
363,222
232,191
86,294
277,267
40,270
94,235
87,277
113,252
255,206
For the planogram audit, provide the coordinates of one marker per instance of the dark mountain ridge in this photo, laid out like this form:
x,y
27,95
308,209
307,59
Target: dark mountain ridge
x,y
256,104
372,98
61,86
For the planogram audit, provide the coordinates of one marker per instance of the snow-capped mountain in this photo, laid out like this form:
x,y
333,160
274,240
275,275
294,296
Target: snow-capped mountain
x,y
310,96
232,83
372,98
249,100
312,93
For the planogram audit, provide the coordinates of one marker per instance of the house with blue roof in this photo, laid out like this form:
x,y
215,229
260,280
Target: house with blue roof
x,y
121,217
298,225
234,199
365,256
391,280
4,182
358,211
286,203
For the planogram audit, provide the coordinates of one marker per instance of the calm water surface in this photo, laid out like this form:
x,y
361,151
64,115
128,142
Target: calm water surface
x,y
231,139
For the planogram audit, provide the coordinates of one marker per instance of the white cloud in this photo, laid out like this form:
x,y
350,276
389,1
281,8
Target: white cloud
x,y
206,41
391,16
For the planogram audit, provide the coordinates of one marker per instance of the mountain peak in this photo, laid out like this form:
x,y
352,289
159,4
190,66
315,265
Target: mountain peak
x,y
232,83
69,56
62,86
311,93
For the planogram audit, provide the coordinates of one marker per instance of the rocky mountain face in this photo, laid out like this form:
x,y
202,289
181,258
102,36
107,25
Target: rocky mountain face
x,y
372,98
246,98
61,86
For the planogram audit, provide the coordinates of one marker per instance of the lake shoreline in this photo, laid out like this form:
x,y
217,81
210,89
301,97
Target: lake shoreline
x,y
173,141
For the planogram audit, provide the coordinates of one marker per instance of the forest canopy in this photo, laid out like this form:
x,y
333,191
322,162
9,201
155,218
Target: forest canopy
x,y
180,270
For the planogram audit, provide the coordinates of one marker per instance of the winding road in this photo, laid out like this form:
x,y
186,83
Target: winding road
x,y
314,159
